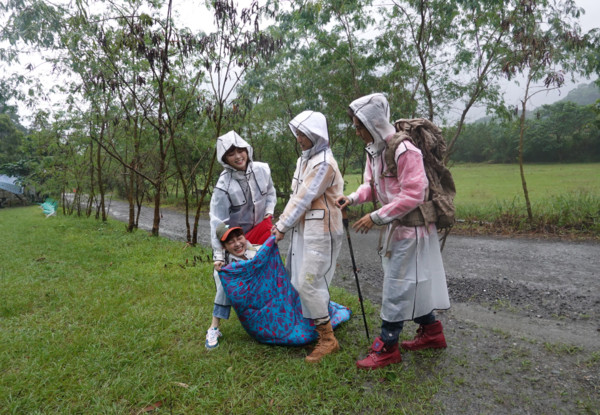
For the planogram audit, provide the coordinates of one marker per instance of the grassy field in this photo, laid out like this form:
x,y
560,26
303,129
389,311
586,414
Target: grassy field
x,y
96,320
562,195
490,183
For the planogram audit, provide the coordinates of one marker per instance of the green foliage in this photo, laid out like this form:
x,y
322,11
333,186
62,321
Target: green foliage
x,y
561,132
10,140
97,320
323,65
572,213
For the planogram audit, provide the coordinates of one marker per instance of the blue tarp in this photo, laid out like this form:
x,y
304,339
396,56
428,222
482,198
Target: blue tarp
x,y
267,304
8,183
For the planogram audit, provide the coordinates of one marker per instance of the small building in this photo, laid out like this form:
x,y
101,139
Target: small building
x,y
11,193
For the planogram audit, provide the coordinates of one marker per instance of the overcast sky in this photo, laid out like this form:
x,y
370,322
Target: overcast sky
x,y
193,14
592,14
588,21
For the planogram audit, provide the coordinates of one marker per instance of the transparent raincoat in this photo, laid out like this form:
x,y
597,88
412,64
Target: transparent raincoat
x,y
312,217
240,198
414,278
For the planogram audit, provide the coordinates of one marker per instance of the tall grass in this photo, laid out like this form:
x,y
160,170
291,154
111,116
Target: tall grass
x,y
96,320
565,197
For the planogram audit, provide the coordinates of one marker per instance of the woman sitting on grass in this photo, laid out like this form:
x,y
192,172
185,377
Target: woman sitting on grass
x,y
257,285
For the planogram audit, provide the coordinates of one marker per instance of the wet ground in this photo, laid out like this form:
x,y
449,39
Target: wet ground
x,y
523,330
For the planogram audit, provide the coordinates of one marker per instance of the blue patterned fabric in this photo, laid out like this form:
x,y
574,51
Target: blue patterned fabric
x,y
267,304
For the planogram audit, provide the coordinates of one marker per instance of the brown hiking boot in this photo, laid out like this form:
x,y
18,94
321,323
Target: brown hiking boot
x,y
430,336
326,344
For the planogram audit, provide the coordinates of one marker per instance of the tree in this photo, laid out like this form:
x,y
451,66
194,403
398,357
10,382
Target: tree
x,y
323,64
543,37
10,140
227,54
562,132
138,70
456,47
28,28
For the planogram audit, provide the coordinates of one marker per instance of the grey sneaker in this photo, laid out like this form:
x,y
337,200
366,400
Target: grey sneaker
x,y
212,338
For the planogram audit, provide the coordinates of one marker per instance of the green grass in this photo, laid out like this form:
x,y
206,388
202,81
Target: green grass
x,y
478,184
561,348
564,197
96,320
488,183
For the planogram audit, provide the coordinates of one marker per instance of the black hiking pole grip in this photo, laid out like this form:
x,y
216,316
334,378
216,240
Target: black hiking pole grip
x,y
360,298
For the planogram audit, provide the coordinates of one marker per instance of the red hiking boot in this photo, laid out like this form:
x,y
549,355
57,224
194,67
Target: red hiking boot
x,y
430,336
380,356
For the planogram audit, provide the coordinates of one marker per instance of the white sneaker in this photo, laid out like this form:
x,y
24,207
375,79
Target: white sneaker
x,y
212,338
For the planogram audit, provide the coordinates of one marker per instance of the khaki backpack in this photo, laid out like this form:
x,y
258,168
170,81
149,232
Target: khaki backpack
x,y
439,205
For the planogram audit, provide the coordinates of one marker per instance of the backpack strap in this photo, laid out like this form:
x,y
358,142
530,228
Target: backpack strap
x,y
389,154
389,158
373,193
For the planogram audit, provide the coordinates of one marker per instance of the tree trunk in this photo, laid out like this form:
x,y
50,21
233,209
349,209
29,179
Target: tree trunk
x,y
202,196
521,136
64,199
156,221
100,185
88,210
130,184
184,185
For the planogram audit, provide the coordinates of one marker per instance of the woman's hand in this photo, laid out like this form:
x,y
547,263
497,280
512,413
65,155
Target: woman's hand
x,y
278,235
342,202
218,265
364,224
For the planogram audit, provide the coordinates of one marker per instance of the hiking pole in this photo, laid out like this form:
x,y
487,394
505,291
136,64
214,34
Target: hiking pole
x,y
360,299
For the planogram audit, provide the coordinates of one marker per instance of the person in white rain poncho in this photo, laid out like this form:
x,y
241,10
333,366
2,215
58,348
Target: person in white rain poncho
x,y
244,197
316,225
414,281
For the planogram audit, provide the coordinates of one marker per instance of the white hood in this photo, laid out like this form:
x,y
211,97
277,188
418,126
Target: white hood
x,y
374,112
313,125
225,142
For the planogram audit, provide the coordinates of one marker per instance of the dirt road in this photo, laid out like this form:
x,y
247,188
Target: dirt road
x,y
523,329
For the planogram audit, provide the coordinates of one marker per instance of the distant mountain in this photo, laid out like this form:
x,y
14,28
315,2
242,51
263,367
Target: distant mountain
x,y
583,94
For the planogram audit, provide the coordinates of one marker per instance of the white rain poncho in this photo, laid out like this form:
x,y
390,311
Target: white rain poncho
x,y
313,218
240,198
414,282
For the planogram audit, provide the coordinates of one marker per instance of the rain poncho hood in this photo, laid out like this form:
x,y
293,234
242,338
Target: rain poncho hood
x,y
232,139
313,125
374,112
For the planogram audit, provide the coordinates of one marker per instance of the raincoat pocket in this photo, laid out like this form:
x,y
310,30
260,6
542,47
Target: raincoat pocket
x,y
236,196
315,214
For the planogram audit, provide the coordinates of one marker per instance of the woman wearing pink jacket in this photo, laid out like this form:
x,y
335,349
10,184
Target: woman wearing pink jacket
x,y
414,282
